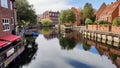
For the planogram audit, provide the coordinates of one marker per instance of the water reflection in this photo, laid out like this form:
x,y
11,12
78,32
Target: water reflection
x,y
28,55
48,32
112,53
68,40
67,50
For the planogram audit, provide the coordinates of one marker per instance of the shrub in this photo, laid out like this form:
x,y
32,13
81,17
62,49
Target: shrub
x,y
116,22
46,22
88,21
102,22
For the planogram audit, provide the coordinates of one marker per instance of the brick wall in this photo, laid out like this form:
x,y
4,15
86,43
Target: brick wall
x,y
114,29
6,13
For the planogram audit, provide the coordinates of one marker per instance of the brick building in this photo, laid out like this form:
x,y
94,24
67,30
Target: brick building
x,y
108,12
10,45
52,15
77,14
7,17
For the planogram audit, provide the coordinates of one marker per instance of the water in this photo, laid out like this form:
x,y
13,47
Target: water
x,y
66,50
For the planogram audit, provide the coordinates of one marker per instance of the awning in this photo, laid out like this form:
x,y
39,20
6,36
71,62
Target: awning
x,y
10,38
2,44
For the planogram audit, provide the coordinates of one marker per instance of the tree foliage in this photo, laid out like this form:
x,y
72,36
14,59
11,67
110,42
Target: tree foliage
x,y
101,22
116,22
25,12
87,12
88,21
46,22
67,16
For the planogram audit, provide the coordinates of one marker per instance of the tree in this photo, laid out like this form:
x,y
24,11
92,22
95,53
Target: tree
x,y
88,12
46,22
25,12
88,21
67,16
116,22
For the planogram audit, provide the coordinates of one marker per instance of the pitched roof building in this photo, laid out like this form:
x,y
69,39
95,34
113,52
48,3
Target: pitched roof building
x,y
77,14
108,12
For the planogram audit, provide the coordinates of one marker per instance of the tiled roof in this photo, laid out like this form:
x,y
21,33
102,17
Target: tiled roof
x,y
110,8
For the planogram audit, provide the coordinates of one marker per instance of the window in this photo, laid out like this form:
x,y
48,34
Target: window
x,y
6,26
4,3
11,5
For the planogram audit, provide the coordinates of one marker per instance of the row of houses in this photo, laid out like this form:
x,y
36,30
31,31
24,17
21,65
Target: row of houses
x,y
105,13
109,12
10,44
52,15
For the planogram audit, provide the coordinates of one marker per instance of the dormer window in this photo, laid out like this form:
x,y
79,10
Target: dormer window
x,y
4,3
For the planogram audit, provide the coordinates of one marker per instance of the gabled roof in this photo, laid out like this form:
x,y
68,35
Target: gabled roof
x,y
101,9
110,8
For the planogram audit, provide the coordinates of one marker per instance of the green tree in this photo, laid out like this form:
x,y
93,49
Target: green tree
x,y
87,12
46,22
67,16
116,22
88,21
25,12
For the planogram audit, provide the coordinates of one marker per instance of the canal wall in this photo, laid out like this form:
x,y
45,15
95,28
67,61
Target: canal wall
x,y
106,28
103,33
103,37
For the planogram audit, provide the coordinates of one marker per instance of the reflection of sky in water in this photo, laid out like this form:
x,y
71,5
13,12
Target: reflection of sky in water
x,y
50,55
92,49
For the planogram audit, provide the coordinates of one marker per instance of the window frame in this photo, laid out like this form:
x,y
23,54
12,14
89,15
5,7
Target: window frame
x,y
4,23
4,3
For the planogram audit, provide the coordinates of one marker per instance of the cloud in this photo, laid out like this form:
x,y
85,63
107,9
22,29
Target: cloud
x,y
43,5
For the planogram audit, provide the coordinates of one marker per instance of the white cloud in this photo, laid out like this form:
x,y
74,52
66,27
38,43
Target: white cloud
x,y
43,5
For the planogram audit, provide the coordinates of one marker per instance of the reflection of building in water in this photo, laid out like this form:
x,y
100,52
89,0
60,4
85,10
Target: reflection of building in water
x,y
111,52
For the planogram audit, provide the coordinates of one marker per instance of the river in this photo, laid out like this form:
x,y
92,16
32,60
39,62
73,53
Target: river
x,y
65,50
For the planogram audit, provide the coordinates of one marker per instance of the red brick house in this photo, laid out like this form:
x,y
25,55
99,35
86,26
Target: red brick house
x,y
52,15
77,14
10,45
7,17
109,12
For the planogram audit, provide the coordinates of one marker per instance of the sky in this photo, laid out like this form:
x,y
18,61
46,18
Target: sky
x,y
56,5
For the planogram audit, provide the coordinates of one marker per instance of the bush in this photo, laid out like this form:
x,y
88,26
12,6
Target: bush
x,y
101,22
116,22
46,22
88,21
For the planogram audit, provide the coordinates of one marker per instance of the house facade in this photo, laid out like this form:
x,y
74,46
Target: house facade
x,y
52,16
77,15
7,17
10,45
109,12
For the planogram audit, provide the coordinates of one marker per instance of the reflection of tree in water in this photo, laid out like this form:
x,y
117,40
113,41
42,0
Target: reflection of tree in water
x,y
46,30
113,57
66,43
28,55
86,47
